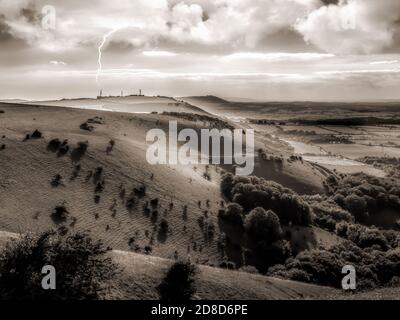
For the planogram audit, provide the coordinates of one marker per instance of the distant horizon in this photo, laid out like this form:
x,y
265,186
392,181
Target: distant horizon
x,y
229,99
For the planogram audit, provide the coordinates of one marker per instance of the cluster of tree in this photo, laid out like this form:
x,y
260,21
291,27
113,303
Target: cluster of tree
x,y
259,207
374,268
253,192
326,212
363,195
369,237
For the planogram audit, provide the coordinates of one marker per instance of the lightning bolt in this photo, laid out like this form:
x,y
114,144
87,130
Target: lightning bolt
x,y
105,37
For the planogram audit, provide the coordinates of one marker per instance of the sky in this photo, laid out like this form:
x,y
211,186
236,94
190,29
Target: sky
x,y
270,50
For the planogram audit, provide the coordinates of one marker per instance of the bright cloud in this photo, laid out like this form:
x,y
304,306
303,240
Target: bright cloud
x,y
353,26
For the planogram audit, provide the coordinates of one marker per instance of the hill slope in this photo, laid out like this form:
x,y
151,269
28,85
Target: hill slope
x,y
129,104
141,274
185,198
28,198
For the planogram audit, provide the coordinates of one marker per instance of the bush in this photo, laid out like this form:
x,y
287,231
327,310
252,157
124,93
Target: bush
x,y
56,181
164,226
78,152
82,266
249,269
54,145
179,282
36,134
263,225
59,214
63,150
86,126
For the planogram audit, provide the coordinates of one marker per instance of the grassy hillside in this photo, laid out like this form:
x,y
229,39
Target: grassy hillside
x,y
28,169
130,104
140,275
143,273
86,170
28,198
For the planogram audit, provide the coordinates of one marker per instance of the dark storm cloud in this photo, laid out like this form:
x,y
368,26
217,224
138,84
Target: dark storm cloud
x,y
4,29
120,46
31,14
328,2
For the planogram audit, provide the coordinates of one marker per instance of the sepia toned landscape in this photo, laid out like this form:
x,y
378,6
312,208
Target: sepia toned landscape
x,y
65,165
318,218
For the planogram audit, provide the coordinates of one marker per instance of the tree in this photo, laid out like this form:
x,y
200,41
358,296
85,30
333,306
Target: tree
x,y
233,214
178,284
82,267
263,225
357,206
226,185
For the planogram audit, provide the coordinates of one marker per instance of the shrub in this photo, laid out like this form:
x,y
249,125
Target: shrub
x,y
56,181
63,151
97,174
249,269
99,187
78,152
140,191
130,203
59,213
86,126
164,226
82,266
36,134
154,202
179,282
263,225
54,145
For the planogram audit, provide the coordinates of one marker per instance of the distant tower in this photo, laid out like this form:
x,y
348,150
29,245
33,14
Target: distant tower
x,y
122,93
100,94
140,92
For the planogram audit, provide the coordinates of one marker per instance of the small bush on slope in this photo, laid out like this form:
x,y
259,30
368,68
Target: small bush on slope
x,y
82,267
178,284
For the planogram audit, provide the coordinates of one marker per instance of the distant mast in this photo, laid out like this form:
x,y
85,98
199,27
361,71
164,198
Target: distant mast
x,y
140,92
100,94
